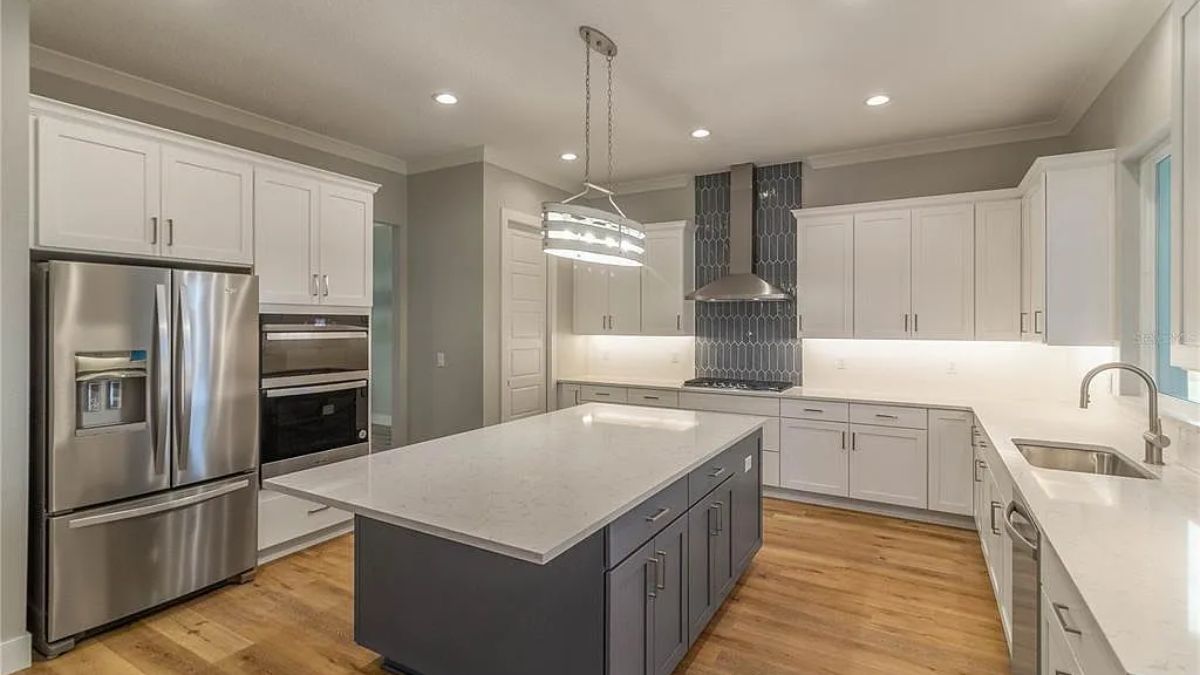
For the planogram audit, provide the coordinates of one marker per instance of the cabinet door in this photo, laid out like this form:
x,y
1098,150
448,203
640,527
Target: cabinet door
x,y
630,613
723,565
97,189
943,272
285,237
998,304
590,299
882,274
825,282
207,206
979,493
813,456
624,300
951,462
1056,656
702,590
888,465
346,262
664,311
568,395
670,629
1033,264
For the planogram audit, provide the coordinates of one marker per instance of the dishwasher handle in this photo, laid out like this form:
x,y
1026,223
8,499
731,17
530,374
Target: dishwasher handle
x,y
1015,510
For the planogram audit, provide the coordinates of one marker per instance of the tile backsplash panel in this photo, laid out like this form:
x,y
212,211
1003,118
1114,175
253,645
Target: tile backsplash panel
x,y
749,340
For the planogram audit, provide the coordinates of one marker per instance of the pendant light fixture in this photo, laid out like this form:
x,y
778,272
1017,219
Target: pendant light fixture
x,y
586,233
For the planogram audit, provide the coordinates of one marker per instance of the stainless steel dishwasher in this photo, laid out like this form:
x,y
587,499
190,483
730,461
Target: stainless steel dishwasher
x,y
1026,587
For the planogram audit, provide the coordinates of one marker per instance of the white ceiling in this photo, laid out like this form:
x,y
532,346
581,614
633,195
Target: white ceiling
x,y
772,79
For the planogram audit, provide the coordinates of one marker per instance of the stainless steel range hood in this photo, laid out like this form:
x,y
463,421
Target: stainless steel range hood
x,y
741,284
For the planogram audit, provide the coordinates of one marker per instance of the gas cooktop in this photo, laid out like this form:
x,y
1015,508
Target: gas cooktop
x,y
741,385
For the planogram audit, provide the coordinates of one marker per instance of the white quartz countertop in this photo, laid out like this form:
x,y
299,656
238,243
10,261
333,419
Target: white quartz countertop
x,y
529,489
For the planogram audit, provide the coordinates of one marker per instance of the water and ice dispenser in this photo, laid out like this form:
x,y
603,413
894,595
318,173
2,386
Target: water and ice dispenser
x,y
110,391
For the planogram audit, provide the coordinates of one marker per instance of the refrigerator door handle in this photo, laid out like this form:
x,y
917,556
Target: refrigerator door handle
x,y
151,509
183,385
162,387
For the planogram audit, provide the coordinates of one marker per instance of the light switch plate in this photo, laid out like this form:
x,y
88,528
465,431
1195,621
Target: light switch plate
x,y
441,359
749,463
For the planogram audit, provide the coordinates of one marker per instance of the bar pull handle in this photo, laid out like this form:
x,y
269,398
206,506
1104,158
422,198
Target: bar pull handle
x,y
658,516
979,464
170,231
916,323
720,516
315,286
660,570
162,365
854,440
995,506
1063,614
323,507
1024,315
905,323
650,398
718,473
712,530
843,440
653,578
153,229
183,383
813,410
1036,324
678,322
883,416
325,279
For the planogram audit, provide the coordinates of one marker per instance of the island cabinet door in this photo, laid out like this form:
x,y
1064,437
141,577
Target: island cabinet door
x,y
709,571
630,613
669,603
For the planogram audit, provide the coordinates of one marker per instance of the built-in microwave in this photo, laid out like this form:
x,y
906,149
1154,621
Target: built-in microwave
x,y
314,391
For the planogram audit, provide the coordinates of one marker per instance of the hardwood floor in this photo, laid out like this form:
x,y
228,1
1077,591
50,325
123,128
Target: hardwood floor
x,y
831,592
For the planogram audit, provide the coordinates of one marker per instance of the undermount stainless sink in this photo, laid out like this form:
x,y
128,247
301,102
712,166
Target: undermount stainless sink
x,y
1079,458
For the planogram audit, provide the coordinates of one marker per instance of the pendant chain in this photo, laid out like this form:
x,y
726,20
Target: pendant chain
x,y
610,121
587,112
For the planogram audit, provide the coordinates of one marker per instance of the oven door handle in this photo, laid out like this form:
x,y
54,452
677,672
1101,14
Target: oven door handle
x,y
319,335
316,389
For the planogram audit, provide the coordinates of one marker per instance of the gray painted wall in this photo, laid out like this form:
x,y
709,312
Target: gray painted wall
x,y
657,206
445,301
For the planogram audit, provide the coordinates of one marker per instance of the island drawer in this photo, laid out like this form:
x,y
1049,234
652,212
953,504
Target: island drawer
x,y
889,416
709,475
660,398
592,392
829,411
627,533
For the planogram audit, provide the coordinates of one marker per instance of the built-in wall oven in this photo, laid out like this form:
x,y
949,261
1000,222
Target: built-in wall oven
x,y
315,380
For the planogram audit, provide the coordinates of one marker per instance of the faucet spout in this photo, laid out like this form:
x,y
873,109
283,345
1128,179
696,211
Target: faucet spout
x,y
1154,437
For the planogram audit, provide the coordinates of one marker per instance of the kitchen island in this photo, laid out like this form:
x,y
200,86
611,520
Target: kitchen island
x,y
599,539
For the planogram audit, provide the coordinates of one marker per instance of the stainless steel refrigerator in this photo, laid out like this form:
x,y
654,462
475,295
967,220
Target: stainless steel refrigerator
x,y
145,441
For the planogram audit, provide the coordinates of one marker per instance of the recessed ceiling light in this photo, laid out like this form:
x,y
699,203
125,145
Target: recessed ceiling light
x,y
445,98
568,157
878,100
700,133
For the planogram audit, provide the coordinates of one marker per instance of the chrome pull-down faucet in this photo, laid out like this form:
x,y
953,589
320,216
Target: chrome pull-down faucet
x,y
1155,440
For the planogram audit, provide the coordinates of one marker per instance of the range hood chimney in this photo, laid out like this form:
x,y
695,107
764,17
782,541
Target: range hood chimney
x,y
741,284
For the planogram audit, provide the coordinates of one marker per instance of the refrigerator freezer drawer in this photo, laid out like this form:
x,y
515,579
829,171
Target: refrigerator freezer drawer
x,y
108,563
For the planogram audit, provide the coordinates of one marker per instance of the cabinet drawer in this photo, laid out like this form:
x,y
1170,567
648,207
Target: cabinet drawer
x,y
888,415
661,398
282,518
627,533
730,403
709,475
829,411
591,392
1068,612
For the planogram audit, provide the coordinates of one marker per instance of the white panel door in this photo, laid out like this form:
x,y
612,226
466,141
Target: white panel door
x,y
207,206
662,306
943,272
97,189
1033,262
522,319
889,465
814,456
882,274
624,300
951,462
590,306
825,267
998,270
346,222
285,237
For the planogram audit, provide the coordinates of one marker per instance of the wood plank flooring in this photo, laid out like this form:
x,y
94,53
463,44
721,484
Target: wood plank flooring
x,y
831,592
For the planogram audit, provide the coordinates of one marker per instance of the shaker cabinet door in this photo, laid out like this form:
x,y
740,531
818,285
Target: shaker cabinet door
x,y
670,630
888,465
882,275
285,235
998,311
825,283
943,272
624,300
207,206
590,304
814,457
346,239
630,613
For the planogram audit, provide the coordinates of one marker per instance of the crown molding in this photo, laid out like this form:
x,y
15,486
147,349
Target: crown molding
x,y
929,146
73,68
671,182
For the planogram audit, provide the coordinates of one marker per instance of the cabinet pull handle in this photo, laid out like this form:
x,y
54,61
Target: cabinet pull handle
x,y
658,516
718,473
712,530
170,231
916,323
650,398
843,440
800,322
153,229
325,279
887,417
1037,315
660,571
979,465
1024,315
653,592
1063,613
720,517
315,286
995,505
601,393
905,323
854,440
313,512
813,410
678,322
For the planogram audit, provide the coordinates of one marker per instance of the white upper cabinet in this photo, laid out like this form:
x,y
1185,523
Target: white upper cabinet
x,y
286,208
346,221
608,299
590,304
943,272
207,206
1185,185
624,300
825,281
1033,263
97,189
998,312
667,275
882,274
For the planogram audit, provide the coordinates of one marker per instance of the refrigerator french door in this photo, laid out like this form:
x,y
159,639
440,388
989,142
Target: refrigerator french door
x,y
145,440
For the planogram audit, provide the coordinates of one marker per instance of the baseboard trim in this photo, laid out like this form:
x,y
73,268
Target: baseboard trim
x,y
902,512
307,541
16,654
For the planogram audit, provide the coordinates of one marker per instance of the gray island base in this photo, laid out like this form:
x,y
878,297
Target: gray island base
x,y
629,599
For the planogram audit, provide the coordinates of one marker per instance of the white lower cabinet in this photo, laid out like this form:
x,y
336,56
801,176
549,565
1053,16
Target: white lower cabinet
x,y
568,395
282,518
770,468
814,457
950,461
889,465
1072,642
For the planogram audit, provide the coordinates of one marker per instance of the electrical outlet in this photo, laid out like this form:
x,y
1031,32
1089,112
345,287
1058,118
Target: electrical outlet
x,y
674,357
952,369
840,364
441,359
